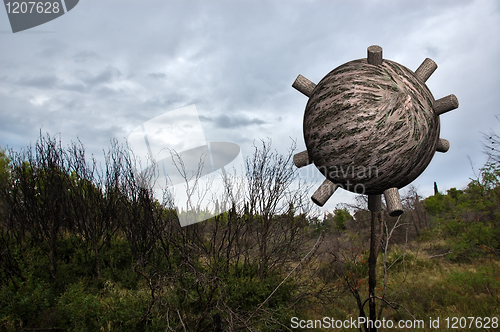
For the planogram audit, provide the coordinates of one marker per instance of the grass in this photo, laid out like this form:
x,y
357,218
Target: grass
x,y
425,287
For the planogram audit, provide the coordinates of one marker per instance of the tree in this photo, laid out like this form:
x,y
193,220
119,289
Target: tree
x,y
39,200
491,145
270,193
4,169
4,183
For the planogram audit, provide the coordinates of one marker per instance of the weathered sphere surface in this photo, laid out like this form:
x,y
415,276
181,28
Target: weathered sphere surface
x,y
370,128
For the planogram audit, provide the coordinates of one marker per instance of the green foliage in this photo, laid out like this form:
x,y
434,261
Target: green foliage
x,y
338,220
469,240
25,304
484,280
4,169
398,259
4,183
341,218
80,310
111,309
489,176
438,204
469,219
117,263
247,292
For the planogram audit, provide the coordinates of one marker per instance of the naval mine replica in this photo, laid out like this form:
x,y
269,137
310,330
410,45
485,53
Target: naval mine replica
x,y
371,126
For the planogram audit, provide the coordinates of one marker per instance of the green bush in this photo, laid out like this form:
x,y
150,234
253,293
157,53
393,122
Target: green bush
x,y
113,309
25,305
482,281
469,240
341,218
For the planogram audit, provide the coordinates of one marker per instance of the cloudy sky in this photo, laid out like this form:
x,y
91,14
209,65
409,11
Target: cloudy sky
x,y
106,67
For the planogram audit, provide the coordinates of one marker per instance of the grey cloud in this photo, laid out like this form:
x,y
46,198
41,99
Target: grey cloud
x,y
106,75
52,48
49,82
43,81
235,121
85,56
433,51
78,87
157,75
165,102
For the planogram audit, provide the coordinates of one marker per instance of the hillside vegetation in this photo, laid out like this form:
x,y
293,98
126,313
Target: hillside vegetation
x,y
85,247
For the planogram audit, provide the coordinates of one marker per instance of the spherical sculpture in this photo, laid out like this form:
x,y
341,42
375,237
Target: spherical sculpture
x,y
371,126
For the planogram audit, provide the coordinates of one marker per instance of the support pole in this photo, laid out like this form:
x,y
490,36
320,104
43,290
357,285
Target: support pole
x,y
374,55
445,104
372,268
393,202
324,192
443,145
304,85
374,203
425,70
302,159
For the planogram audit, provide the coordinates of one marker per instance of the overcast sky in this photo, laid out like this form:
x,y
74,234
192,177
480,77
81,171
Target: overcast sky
x,y
106,67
